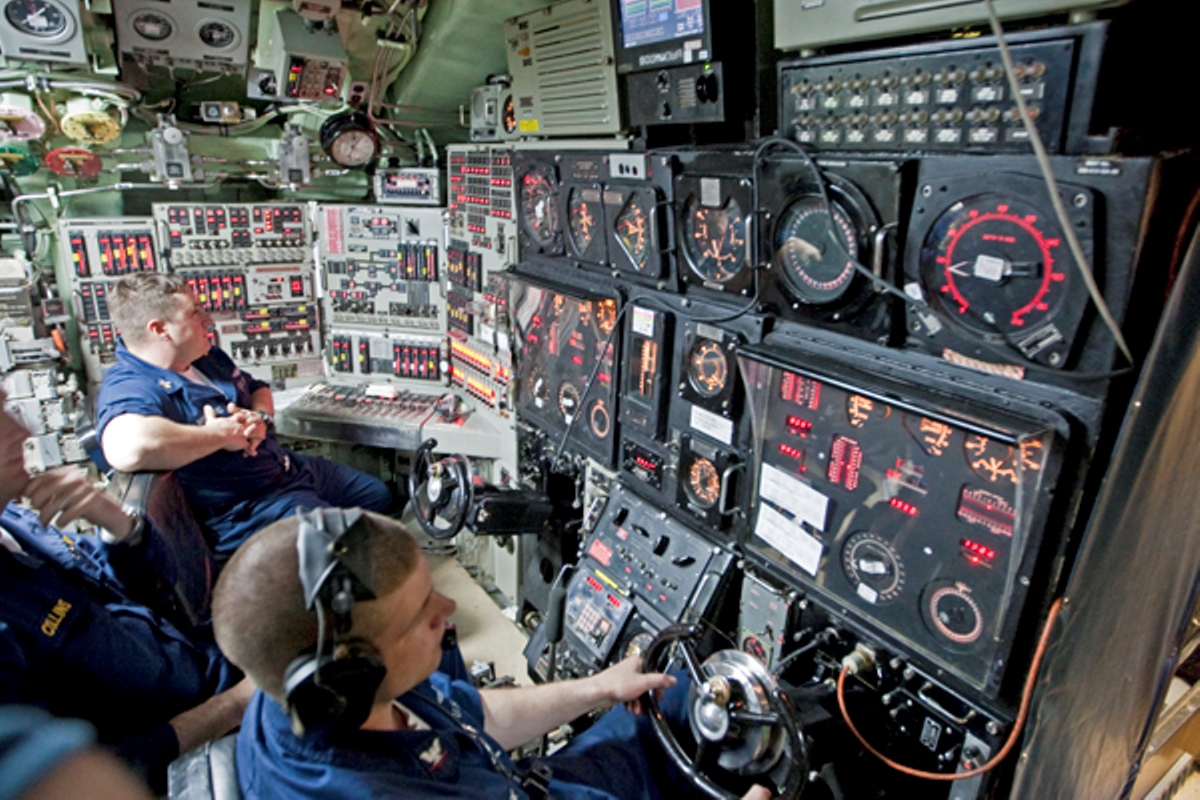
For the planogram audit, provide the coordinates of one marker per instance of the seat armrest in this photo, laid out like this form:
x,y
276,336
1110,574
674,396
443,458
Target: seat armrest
x,y
207,772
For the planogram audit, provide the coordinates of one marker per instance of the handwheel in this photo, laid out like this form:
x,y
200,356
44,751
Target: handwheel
x,y
441,491
741,722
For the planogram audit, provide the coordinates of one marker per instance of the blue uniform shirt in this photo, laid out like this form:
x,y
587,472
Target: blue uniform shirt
x,y
454,758
73,642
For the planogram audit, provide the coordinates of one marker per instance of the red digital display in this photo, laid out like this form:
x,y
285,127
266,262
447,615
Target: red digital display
x,y
900,505
799,426
845,461
977,551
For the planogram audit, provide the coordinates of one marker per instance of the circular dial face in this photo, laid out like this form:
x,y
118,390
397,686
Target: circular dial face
x,y
509,115
217,34
990,262
703,484
538,209
715,240
568,401
539,390
873,568
818,268
752,646
1000,462
639,644
39,18
153,26
953,613
353,147
582,220
599,420
633,231
708,369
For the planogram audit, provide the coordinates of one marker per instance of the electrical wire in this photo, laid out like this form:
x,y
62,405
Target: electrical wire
x,y
1022,713
1060,211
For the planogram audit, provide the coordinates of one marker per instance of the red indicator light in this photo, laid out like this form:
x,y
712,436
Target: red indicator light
x,y
595,584
790,451
799,426
977,551
900,505
577,360
614,602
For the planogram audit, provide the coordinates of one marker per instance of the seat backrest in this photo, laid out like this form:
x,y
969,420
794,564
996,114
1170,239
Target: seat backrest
x,y
207,772
188,569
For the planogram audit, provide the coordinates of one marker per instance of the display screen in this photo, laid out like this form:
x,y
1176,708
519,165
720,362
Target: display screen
x,y
646,22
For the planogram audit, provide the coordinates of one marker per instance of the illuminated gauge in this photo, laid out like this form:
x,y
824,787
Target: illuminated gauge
x,y
582,214
818,268
715,240
539,212
860,410
752,646
991,262
42,19
153,26
219,35
539,390
606,315
568,401
708,369
952,612
74,162
639,644
350,140
999,461
599,420
873,568
932,435
703,484
633,231
509,115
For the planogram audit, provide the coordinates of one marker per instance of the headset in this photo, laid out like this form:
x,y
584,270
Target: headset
x,y
332,685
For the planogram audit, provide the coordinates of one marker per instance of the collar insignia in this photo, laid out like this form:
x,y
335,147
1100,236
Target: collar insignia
x,y
165,384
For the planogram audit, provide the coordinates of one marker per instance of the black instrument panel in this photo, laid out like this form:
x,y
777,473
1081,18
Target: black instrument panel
x,y
920,522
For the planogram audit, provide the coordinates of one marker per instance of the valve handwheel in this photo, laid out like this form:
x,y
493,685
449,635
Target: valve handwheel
x,y
740,720
441,491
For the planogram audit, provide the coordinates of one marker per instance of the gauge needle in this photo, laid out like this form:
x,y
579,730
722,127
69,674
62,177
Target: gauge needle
x,y
806,250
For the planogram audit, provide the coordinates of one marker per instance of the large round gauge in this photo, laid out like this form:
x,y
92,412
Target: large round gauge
x,y
953,613
583,215
633,231
715,240
219,35
539,211
817,250
599,420
873,568
702,483
153,26
990,261
568,401
350,140
42,19
708,368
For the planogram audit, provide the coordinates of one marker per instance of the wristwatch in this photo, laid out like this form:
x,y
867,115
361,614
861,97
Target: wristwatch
x,y
267,417
136,530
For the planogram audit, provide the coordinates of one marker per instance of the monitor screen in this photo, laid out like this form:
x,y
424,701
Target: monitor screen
x,y
647,22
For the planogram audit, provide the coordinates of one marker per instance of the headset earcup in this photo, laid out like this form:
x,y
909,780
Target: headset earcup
x,y
336,692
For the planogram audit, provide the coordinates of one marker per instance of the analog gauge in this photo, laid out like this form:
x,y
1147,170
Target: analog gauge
x,y
583,213
715,239
218,35
539,390
153,26
599,420
539,211
639,644
633,231
992,262
606,316
568,401
509,115
873,568
703,485
952,612
708,369
860,410
817,250
998,461
350,140
38,18
752,646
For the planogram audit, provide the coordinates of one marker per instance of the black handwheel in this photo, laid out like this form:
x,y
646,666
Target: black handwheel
x,y
441,491
742,723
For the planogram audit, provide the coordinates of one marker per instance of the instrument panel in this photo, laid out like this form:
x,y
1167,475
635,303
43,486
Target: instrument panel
x,y
914,519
